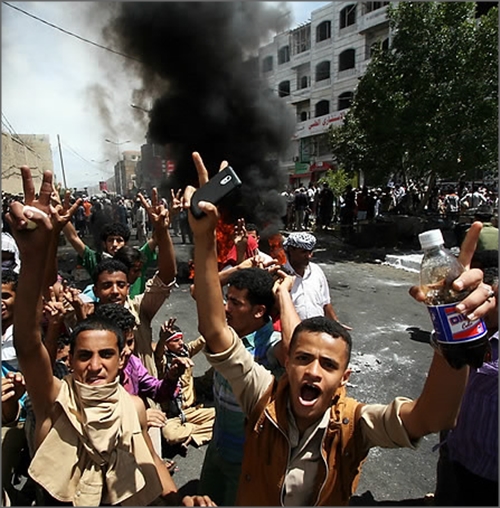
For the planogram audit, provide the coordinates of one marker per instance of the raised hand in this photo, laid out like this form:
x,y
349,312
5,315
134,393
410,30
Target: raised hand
x,y
209,221
54,309
63,211
167,328
157,213
30,223
166,331
482,298
240,236
175,202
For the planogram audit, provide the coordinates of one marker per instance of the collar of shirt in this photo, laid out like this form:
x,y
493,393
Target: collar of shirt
x,y
307,271
257,338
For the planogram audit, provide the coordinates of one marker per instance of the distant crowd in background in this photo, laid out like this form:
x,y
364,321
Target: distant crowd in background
x,y
316,208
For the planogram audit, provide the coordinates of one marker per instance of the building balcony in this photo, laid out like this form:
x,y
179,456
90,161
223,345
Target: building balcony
x,y
348,73
372,19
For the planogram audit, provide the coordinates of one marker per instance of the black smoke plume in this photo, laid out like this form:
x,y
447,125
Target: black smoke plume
x,y
198,60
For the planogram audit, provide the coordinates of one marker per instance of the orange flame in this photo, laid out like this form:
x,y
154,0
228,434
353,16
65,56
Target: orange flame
x,y
276,248
224,233
224,236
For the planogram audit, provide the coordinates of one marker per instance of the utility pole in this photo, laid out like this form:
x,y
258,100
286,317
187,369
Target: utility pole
x,y
62,162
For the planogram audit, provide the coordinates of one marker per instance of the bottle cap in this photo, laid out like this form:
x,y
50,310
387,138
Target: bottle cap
x,y
431,238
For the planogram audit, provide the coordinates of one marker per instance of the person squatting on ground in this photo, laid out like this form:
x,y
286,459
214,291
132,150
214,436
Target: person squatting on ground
x,y
92,445
187,421
306,440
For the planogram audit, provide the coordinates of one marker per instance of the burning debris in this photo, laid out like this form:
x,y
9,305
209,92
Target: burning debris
x,y
198,61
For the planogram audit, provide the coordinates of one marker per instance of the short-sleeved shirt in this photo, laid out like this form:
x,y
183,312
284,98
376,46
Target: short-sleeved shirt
x,y
309,293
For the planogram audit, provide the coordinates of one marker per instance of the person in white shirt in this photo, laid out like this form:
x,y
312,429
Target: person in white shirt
x,y
310,292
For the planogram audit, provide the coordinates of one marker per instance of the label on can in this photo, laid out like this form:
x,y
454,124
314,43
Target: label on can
x,y
452,327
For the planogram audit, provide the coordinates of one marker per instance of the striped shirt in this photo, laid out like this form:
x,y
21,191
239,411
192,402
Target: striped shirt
x,y
474,441
229,427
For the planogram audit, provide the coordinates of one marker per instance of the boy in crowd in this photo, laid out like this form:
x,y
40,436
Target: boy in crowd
x,y
188,422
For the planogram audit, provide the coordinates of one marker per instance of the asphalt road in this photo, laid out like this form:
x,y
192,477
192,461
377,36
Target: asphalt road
x,y
390,358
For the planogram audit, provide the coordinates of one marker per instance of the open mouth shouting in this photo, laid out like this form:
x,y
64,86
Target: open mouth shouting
x,y
309,394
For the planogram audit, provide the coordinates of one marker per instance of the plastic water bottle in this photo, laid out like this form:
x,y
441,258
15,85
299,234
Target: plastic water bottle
x,y
460,340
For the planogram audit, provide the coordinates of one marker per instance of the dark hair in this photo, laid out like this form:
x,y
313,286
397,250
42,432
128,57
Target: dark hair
x,y
250,226
110,265
259,284
96,323
63,341
115,229
118,314
10,277
129,256
321,324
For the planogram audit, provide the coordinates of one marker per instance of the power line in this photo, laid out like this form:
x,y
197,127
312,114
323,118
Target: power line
x,y
67,32
74,152
16,137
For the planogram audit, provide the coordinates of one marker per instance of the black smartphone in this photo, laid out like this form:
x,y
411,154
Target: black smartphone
x,y
215,189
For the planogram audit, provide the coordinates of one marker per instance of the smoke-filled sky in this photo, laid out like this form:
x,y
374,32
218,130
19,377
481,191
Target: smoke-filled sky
x,y
53,83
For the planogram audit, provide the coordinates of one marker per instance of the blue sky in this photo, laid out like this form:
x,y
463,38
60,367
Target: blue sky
x,y
46,77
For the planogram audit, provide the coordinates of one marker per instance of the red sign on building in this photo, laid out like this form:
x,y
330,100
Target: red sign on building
x,y
170,167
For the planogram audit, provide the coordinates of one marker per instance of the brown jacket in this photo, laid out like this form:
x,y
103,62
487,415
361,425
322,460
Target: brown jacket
x,y
267,449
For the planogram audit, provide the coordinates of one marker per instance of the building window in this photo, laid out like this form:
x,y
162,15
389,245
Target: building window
x,y
348,16
267,64
347,59
345,100
323,31
301,39
303,116
385,44
322,108
323,70
284,89
373,6
283,55
303,82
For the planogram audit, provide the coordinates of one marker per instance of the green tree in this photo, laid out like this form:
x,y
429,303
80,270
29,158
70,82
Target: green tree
x,y
426,108
337,181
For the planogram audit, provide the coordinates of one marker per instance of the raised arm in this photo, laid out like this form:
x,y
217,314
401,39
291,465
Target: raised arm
x,y
158,214
207,289
438,405
34,247
73,238
288,315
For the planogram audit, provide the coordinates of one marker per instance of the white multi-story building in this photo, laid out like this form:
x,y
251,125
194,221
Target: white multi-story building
x,y
315,68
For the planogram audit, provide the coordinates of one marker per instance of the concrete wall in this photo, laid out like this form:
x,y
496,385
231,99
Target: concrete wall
x,y
32,150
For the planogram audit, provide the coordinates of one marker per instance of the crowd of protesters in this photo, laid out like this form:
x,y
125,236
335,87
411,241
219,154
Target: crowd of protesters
x,y
89,395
